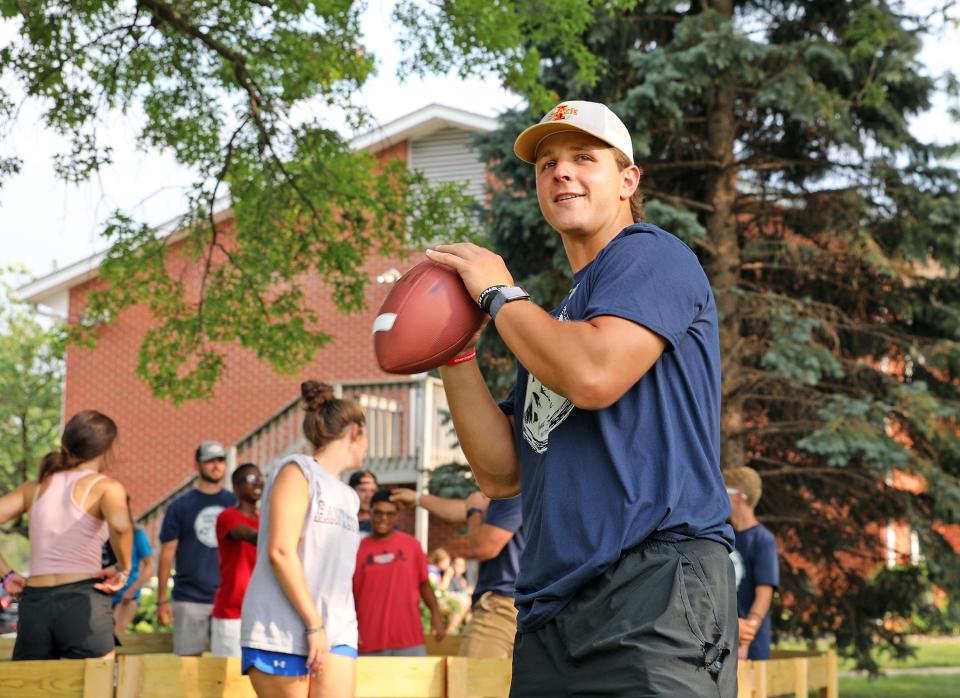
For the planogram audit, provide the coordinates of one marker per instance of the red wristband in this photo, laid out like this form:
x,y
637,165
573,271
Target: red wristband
x,y
472,354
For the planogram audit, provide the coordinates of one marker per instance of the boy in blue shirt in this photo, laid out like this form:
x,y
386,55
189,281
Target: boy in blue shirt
x,y
611,435
756,563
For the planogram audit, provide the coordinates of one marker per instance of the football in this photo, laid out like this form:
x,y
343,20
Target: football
x,y
425,320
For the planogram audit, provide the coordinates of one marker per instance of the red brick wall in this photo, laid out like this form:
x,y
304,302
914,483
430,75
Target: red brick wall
x,y
156,439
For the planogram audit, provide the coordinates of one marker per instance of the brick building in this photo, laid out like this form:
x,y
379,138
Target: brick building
x,y
157,439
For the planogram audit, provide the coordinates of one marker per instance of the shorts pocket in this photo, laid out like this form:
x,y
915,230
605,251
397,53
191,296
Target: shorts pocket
x,y
700,609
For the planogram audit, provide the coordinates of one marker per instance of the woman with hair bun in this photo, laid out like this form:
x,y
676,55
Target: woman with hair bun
x,y
65,608
299,624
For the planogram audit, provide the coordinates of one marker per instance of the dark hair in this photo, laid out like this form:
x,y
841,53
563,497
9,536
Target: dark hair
x,y
381,495
327,416
87,435
240,471
636,201
358,477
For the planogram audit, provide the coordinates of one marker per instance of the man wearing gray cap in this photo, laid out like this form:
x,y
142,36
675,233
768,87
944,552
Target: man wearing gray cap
x,y
611,435
189,537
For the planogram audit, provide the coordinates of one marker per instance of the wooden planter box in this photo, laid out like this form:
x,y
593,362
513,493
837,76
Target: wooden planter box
x,y
146,668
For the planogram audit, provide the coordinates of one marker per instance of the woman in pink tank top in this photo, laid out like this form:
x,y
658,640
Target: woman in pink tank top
x,y
65,608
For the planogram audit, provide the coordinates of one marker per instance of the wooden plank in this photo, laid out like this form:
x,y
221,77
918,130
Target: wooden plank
x,y
145,643
458,670
816,672
447,647
53,678
98,678
790,654
744,679
130,676
401,677
133,643
781,676
760,679
161,675
832,688
489,678
800,678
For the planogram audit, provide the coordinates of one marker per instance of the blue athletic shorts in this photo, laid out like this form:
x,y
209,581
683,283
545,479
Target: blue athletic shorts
x,y
283,664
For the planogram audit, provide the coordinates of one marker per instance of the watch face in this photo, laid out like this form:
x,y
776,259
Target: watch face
x,y
514,292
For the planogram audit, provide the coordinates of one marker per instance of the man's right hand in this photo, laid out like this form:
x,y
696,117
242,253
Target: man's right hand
x,y
164,613
404,497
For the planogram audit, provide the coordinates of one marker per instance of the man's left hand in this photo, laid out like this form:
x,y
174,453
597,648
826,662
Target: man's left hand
x,y
478,267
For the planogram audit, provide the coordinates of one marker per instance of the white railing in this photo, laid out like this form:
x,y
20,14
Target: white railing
x,y
408,432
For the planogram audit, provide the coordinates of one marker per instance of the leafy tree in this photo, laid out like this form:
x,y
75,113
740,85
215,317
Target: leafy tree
x,y
235,90
775,140
31,376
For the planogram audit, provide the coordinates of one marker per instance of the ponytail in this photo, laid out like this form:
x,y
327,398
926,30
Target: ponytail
x,y
87,435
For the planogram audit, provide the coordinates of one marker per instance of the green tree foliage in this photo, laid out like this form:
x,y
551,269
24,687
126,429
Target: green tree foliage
x,y
31,374
235,90
774,140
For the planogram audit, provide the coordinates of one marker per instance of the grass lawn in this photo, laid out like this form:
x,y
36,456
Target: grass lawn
x,y
929,654
899,687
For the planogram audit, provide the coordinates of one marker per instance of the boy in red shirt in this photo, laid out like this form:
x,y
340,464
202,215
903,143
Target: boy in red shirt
x,y
237,529
389,581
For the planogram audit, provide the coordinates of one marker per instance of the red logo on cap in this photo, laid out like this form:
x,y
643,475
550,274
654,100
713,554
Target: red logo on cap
x,y
561,113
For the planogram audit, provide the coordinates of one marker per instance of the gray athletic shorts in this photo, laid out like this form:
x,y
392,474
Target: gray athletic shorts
x,y
661,621
191,627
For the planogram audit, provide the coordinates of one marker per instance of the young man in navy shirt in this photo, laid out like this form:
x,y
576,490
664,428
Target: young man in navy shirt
x,y
495,538
611,435
188,542
755,560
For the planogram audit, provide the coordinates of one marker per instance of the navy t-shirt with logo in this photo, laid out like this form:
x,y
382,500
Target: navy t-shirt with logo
x,y
755,561
191,519
499,574
597,482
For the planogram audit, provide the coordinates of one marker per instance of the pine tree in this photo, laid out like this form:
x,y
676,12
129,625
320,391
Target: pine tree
x,y
774,138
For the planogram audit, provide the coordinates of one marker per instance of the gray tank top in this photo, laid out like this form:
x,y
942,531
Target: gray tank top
x,y
328,550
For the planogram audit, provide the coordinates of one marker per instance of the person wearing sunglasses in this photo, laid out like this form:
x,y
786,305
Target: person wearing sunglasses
x,y
237,529
756,563
389,582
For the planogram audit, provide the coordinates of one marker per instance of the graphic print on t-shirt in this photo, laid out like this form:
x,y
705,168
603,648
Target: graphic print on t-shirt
x,y
738,568
385,558
543,409
205,525
327,513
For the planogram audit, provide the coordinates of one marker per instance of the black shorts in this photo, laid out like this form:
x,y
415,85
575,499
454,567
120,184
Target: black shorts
x,y
661,621
72,621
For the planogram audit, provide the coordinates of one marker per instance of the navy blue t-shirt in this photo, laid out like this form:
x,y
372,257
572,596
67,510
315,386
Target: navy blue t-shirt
x,y
598,482
755,562
191,520
499,574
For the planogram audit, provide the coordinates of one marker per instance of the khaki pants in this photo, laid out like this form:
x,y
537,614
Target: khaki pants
x,y
492,628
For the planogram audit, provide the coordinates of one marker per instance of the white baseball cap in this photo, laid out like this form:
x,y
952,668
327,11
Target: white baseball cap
x,y
590,117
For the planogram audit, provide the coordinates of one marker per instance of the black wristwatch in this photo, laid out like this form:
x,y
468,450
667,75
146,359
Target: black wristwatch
x,y
473,510
504,295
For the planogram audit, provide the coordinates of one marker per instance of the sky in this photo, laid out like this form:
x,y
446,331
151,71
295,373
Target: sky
x,y
46,223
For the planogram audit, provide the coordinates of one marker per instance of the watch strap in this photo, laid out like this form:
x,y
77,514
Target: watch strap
x,y
505,295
